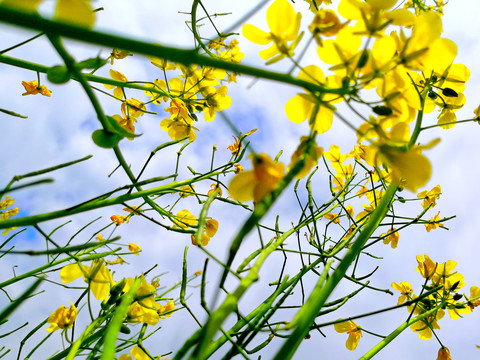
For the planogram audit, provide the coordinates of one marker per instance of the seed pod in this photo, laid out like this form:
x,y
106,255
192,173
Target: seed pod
x,y
382,110
363,59
457,297
449,92
124,329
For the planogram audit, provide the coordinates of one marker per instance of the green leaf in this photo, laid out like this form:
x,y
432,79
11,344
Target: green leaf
x,y
114,127
106,139
58,74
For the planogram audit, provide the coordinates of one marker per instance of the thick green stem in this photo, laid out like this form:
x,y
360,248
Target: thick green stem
x,y
395,333
186,57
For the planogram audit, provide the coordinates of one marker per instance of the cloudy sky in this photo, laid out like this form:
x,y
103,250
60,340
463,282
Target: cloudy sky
x,y
58,129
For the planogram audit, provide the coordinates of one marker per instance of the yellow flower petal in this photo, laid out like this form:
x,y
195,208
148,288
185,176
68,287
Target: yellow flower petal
x,y
323,120
255,35
280,14
410,169
381,4
242,186
73,271
447,120
139,354
298,109
77,12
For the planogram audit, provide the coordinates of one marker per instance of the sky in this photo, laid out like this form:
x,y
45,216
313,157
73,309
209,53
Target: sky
x,y
58,129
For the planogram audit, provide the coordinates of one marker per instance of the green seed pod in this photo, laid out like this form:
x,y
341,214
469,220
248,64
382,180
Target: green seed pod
x,y
382,110
124,329
449,92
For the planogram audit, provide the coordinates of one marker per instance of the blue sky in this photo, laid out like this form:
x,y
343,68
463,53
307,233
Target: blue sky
x,y
58,130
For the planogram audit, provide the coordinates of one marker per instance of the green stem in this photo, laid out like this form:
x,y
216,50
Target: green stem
x,y
35,219
186,57
26,294
93,78
55,263
395,333
110,339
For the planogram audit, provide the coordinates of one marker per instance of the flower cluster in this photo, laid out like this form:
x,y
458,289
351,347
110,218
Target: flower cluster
x,y
5,214
445,283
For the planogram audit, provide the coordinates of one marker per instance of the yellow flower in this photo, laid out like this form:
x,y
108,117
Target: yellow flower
x,y
133,108
257,183
477,112
32,88
303,106
405,289
391,236
325,23
97,276
134,248
184,219
211,227
156,98
180,124
77,12
165,310
424,327
127,122
409,169
144,309
474,299
333,216
186,190
215,187
238,168
161,63
119,54
430,196
119,219
62,318
358,152
237,145
354,333
137,353
444,354
215,100
4,215
426,266
284,24
314,153
203,241
433,222
116,75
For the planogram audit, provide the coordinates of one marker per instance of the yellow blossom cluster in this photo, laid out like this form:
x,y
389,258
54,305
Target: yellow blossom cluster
x,y
409,74
447,282
5,214
185,220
